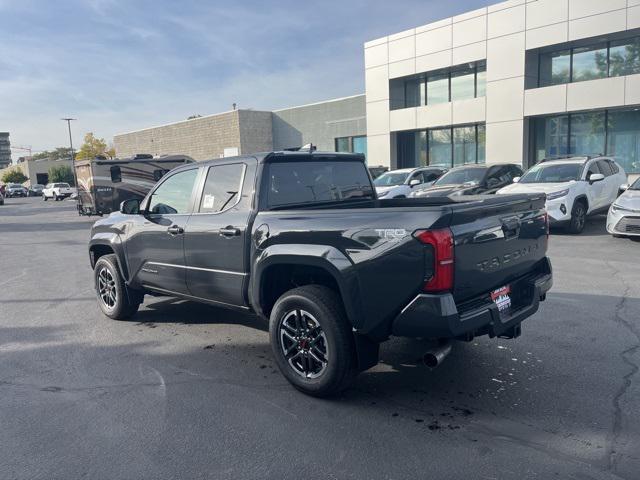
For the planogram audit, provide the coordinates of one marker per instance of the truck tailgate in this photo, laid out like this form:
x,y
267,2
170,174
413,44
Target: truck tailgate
x,y
497,240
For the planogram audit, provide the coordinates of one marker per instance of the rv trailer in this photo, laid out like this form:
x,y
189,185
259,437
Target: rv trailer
x,y
104,183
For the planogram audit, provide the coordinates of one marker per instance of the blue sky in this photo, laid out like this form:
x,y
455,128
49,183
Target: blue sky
x,y
120,65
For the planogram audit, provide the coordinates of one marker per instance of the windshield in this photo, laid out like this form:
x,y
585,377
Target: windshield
x,y
463,175
390,179
300,183
549,173
635,185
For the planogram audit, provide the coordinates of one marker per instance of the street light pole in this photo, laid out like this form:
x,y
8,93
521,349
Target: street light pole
x,y
73,158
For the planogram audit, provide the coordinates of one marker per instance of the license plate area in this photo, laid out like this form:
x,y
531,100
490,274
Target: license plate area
x,y
502,298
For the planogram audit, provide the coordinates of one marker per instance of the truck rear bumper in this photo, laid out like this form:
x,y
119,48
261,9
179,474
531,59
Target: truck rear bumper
x,y
438,316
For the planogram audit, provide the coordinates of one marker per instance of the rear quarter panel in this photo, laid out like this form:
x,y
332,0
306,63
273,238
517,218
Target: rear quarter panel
x,y
381,266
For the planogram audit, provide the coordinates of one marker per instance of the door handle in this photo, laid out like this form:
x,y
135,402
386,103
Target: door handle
x,y
229,231
175,230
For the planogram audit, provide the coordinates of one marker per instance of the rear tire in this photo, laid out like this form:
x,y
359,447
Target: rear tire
x,y
312,341
115,299
578,218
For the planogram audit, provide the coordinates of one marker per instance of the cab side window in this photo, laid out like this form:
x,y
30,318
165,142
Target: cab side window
x,y
174,194
222,188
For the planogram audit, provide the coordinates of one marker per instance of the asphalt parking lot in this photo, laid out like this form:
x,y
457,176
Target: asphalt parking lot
x,y
190,391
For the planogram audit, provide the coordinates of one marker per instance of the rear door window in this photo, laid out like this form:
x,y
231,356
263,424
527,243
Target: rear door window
x,y
222,188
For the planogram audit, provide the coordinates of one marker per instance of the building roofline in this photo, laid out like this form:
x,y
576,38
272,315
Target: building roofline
x,y
191,120
321,102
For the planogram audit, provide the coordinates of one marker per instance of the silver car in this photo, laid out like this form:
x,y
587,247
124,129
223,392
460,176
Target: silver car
x,y
624,214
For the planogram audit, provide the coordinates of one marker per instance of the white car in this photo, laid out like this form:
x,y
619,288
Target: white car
x,y
576,187
57,191
624,214
400,183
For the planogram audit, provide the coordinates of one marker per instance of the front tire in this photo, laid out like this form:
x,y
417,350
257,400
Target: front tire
x,y
114,298
312,342
578,218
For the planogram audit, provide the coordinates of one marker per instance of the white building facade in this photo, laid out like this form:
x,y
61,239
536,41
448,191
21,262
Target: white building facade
x,y
513,82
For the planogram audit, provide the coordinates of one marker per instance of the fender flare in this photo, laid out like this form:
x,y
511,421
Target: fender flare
x,y
581,197
328,258
113,241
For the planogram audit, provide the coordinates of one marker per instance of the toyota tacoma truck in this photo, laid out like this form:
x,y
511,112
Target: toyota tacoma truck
x,y
302,240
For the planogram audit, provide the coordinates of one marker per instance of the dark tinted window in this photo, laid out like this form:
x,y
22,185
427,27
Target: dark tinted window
x,y
314,182
614,168
174,194
499,176
158,174
605,168
116,174
222,188
593,168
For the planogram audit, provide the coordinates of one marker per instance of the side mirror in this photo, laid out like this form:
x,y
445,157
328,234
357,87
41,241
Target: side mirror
x,y
516,179
596,177
130,207
414,182
624,187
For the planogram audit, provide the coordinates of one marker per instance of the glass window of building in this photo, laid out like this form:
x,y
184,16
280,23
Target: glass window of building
x,y
587,134
440,148
623,141
464,145
412,93
552,136
589,63
360,145
555,68
481,80
463,84
624,57
342,144
482,143
437,89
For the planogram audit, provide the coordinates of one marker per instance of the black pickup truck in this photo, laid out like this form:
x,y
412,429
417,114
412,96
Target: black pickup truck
x,y
302,240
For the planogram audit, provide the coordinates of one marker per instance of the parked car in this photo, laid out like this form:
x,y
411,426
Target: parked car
x,y
301,240
16,190
471,180
400,183
36,190
57,191
1,198
575,187
624,214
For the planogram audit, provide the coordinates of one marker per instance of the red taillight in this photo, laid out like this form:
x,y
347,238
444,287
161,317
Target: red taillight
x,y
443,261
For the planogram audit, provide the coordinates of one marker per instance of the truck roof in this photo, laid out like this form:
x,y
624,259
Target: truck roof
x,y
285,155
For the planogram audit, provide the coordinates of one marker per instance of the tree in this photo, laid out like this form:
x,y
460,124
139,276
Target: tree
x,y
14,176
92,147
61,173
60,153
191,117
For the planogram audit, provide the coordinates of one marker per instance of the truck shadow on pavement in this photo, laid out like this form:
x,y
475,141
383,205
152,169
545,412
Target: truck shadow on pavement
x,y
174,310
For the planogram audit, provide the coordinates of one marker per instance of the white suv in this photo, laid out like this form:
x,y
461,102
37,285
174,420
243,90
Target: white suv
x,y
575,187
57,191
400,183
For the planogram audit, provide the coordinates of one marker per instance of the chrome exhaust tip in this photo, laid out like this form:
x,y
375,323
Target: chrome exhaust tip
x,y
434,357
